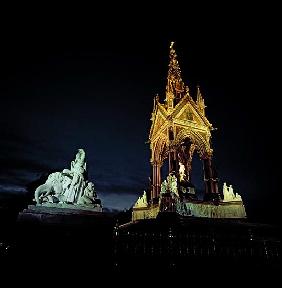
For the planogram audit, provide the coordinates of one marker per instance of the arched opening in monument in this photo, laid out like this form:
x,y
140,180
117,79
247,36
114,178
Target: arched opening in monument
x,y
165,169
185,152
197,176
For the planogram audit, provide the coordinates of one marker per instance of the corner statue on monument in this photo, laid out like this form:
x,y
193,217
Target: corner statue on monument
x,y
69,188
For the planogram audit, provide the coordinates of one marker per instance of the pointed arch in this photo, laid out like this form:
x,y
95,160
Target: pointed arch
x,y
159,150
202,146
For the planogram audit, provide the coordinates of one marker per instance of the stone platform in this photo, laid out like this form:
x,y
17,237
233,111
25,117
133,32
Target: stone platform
x,y
63,208
224,210
64,214
233,210
61,242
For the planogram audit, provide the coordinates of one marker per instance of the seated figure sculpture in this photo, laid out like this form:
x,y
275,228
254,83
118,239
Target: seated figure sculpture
x,y
69,186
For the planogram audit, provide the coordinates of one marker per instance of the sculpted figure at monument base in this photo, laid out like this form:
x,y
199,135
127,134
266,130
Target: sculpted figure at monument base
x,y
229,195
70,186
141,201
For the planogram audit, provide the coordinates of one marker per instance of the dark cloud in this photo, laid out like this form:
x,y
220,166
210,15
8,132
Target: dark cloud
x,y
116,201
12,188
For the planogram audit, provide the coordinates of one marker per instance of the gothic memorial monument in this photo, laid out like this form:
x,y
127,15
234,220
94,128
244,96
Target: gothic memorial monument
x,y
180,128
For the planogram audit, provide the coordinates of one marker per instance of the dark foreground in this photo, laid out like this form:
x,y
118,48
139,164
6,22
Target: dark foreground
x,y
74,247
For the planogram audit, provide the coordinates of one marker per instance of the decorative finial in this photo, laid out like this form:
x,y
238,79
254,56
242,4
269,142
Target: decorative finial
x,y
200,100
175,86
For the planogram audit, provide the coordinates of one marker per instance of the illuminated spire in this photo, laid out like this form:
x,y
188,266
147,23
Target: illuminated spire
x,y
175,86
200,101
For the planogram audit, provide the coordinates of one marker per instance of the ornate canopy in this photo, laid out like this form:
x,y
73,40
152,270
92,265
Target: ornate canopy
x,y
179,127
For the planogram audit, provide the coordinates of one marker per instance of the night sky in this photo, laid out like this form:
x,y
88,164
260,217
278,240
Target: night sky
x,y
86,83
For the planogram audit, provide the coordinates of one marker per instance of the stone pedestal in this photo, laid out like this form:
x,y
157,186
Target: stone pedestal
x,y
65,243
61,214
235,210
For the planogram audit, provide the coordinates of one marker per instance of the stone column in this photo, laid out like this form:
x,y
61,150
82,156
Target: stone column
x,y
156,185
189,161
211,185
154,182
170,161
188,171
158,179
176,162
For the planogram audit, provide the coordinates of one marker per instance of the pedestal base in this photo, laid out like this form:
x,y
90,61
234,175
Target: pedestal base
x,y
231,210
66,214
